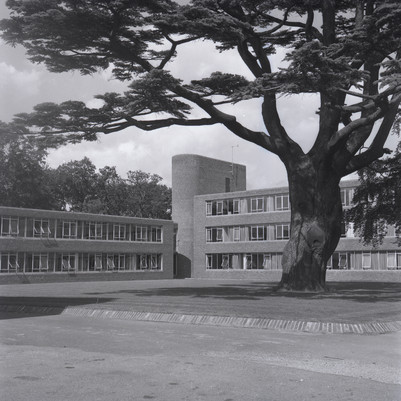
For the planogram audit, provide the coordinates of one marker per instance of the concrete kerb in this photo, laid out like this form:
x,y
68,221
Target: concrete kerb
x,y
368,328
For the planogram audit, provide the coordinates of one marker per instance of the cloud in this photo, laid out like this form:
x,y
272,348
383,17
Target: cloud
x,y
15,87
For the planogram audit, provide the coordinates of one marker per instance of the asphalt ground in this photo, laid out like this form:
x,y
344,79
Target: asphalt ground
x,y
357,307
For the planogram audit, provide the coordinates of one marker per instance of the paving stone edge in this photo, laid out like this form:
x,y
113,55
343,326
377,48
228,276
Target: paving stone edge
x,y
371,328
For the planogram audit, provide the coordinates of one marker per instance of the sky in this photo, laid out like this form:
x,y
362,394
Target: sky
x,y
23,85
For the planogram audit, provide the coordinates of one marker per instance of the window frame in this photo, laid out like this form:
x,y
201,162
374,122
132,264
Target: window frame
x,y
93,230
236,206
397,257
141,233
219,208
366,254
280,199
209,208
12,225
236,234
209,235
281,227
70,224
40,258
9,258
260,233
119,232
257,205
39,230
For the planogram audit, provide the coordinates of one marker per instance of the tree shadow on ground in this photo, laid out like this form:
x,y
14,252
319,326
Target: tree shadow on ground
x,y
351,291
17,307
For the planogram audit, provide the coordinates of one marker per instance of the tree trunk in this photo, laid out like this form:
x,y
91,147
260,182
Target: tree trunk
x,y
316,217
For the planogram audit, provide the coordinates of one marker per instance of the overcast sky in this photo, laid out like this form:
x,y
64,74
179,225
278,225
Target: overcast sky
x,y
23,85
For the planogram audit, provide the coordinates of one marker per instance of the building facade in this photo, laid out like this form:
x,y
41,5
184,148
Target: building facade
x,y
240,234
219,230
194,175
43,245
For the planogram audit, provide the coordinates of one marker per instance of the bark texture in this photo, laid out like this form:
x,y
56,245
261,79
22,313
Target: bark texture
x,y
316,215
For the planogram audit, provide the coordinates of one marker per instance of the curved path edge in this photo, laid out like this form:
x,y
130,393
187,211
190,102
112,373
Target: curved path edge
x,y
372,328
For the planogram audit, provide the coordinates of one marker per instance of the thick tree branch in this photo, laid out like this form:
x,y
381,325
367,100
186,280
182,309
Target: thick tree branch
x,y
173,49
376,149
305,26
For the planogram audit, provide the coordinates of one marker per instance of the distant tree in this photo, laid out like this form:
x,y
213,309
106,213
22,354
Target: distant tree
x,y
27,181
75,184
346,52
24,175
377,200
112,192
147,197
80,188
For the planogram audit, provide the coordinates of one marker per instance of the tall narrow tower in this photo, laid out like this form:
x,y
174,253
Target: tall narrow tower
x,y
198,175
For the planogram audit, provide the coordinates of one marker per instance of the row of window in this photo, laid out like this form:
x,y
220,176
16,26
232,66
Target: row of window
x,y
249,261
248,205
24,262
248,233
74,229
261,204
272,261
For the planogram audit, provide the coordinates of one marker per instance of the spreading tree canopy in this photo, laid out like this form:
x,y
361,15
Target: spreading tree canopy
x,y
345,51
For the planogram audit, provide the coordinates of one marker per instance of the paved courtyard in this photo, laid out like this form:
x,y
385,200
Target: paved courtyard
x,y
214,340
375,306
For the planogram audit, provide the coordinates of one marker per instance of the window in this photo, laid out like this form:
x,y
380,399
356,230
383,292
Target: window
x,y
143,262
366,260
209,208
344,229
95,262
95,230
225,262
236,206
222,207
282,231
267,261
119,232
257,205
9,263
151,261
154,264
209,262
70,229
218,261
347,195
141,233
236,233
110,262
68,262
214,234
258,233
394,260
342,261
40,262
282,202
256,261
156,234
41,228
9,226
